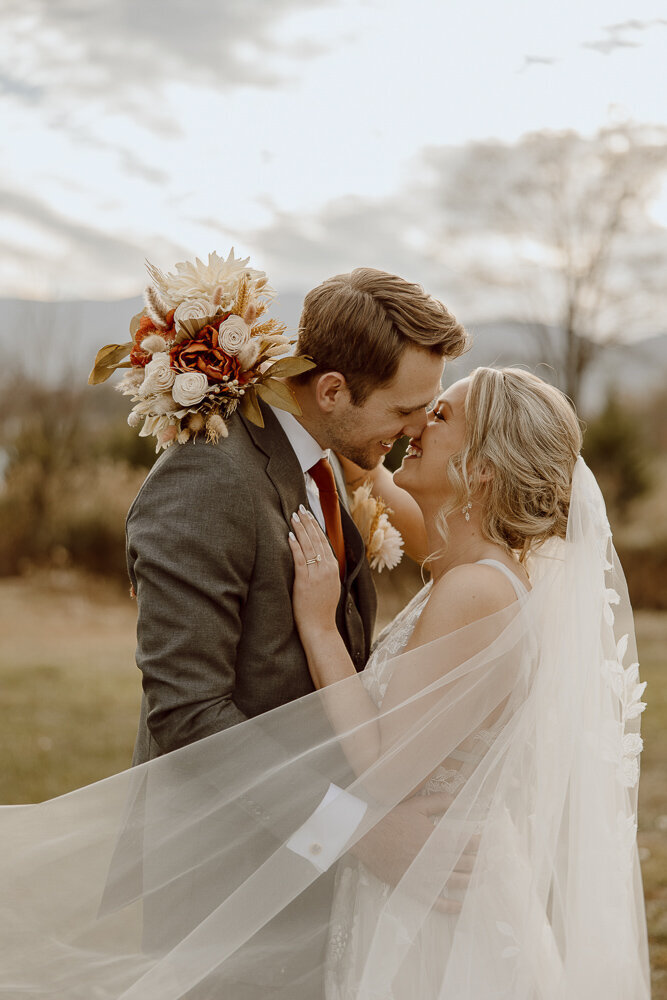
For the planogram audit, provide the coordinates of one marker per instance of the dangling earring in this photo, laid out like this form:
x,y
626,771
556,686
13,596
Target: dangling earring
x,y
466,510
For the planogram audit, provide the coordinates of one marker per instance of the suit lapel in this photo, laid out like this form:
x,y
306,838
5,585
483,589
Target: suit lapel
x,y
282,467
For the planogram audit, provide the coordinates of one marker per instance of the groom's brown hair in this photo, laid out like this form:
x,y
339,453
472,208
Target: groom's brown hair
x,y
360,323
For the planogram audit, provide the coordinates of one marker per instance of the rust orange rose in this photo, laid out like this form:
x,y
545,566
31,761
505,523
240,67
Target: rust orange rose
x,y
204,355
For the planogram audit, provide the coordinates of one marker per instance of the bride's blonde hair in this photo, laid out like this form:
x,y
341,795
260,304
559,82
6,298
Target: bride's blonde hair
x,y
522,441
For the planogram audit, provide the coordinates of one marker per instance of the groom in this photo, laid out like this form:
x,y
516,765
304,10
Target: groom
x,y
207,544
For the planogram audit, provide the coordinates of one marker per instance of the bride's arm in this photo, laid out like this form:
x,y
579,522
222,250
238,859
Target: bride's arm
x,y
315,598
465,595
406,515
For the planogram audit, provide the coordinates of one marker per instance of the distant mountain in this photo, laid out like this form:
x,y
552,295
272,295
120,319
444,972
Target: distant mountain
x,y
53,338
633,369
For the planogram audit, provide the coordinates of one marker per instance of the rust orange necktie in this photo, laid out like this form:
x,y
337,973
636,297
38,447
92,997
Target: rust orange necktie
x,y
323,475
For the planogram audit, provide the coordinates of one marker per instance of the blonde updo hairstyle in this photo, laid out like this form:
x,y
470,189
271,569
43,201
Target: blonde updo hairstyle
x,y
522,441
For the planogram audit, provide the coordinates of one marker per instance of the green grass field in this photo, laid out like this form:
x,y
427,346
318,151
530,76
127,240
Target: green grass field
x,y
70,698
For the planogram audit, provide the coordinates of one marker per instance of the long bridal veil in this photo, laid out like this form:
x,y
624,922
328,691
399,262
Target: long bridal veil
x,y
185,878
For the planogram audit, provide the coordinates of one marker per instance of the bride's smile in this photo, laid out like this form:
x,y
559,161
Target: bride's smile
x,y
423,472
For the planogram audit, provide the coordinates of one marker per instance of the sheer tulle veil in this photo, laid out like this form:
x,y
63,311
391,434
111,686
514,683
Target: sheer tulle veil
x,y
179,878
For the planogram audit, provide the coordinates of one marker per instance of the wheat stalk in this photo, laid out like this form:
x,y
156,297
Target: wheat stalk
x,y
242,300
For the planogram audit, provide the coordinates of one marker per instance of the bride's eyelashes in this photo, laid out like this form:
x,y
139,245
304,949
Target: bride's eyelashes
x,y
438,415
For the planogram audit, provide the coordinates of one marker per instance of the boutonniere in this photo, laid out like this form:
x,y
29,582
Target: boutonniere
x,y
384,544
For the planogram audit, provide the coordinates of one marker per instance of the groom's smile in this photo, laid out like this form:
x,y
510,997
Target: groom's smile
x,y
366,433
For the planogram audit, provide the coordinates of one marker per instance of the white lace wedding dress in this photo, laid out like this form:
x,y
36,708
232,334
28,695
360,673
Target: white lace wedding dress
x,y
359,896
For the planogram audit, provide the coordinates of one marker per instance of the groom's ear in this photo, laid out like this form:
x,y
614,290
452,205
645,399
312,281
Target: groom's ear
x,y
330,389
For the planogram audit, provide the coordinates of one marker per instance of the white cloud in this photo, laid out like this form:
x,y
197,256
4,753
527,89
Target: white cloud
x,y
290,127
113,50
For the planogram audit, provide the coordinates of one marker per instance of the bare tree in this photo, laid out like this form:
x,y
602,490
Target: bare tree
x,y
561,224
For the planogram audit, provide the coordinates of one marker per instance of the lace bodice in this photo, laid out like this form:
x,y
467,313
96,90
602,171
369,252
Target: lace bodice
x,y
394,638
389,643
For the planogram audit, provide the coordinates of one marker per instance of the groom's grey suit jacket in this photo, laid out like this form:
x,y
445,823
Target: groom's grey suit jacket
x,y
210,562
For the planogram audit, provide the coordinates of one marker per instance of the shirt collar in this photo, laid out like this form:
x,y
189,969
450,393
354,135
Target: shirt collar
x,y
304,445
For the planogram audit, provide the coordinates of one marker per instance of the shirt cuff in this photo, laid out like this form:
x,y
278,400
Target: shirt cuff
x,y
323,836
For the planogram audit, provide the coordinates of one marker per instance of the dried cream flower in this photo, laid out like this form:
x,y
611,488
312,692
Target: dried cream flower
x,y
194,309
159,374
153,425
189,388
219,277
233,334
385,549
384,545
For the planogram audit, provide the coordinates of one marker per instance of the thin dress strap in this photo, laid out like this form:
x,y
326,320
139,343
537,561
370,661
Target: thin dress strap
x,y
519,587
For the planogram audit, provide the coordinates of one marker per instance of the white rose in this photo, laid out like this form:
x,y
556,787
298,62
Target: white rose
x,y
159,375
189,309
190,388
233,334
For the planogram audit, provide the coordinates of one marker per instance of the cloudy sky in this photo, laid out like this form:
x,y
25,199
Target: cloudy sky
x,y
296,130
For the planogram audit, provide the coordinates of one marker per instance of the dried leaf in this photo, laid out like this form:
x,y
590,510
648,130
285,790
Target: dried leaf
x,y
113,353
250,407
290,366
278,394
106,361
135,321
192,327
101,373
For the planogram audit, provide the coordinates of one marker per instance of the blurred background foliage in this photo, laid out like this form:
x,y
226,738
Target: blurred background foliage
x,y
70,467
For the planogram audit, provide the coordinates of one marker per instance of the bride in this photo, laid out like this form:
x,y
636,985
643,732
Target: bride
x,y
492,475
506,692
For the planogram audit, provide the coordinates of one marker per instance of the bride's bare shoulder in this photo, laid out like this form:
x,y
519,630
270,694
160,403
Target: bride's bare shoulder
x,y
463,595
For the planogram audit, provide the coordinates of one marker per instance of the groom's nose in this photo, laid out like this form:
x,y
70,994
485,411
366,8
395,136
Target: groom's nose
x,y
416,423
